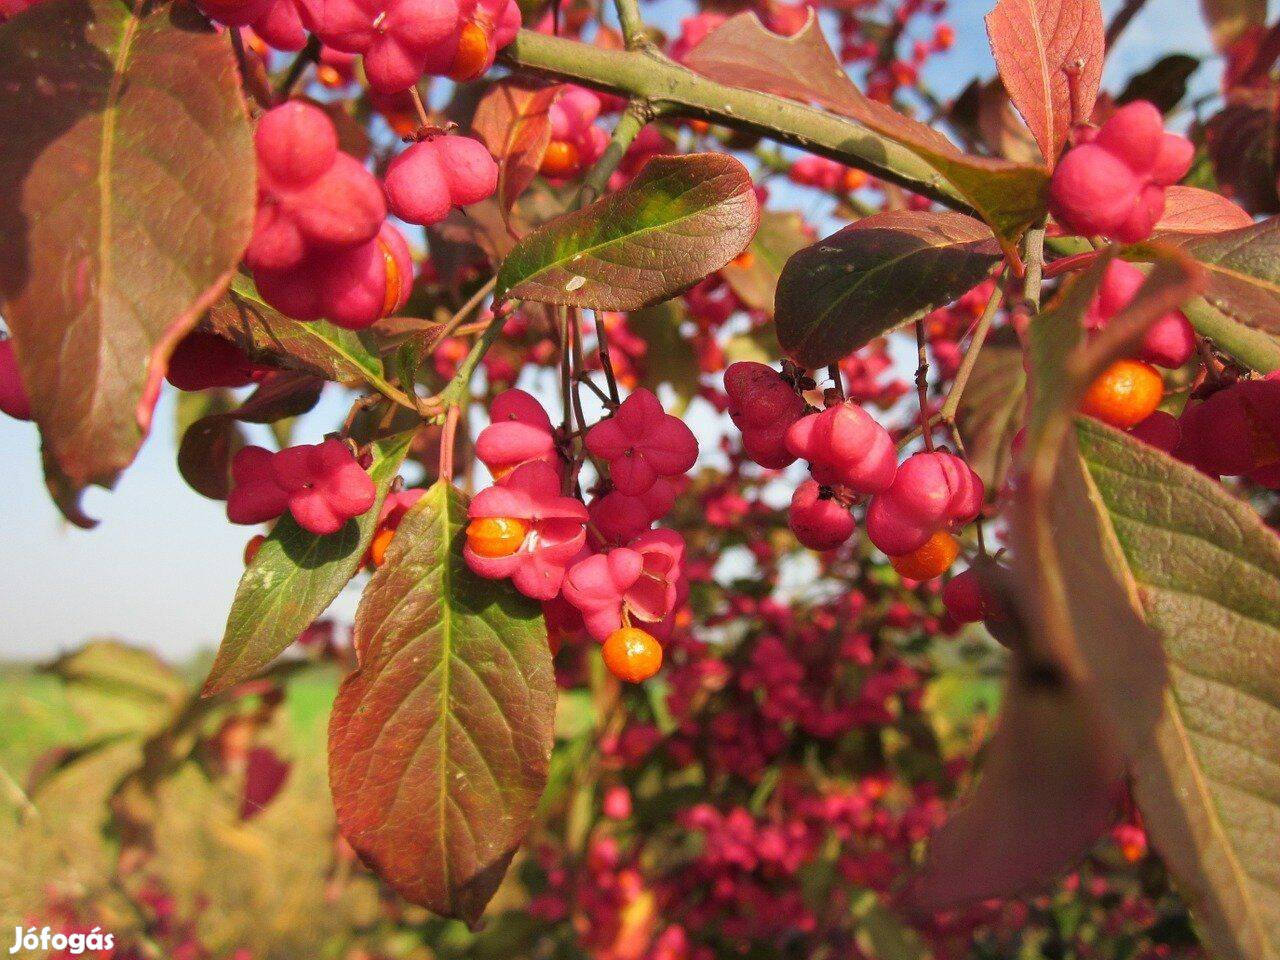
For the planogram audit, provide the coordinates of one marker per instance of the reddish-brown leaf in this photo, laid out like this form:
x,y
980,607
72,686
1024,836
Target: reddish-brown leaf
x,y
1038,45
1192,210
512,120
126,199
439,744
1050,786
743,53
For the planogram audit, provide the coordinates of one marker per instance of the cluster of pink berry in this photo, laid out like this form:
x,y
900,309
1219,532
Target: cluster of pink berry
x,y
889,74
321,245
828,175
913,506
1112,183
322,485
576,141
1233,432
527,529
400,41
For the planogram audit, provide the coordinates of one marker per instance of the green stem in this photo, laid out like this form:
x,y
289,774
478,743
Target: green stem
x,y
633,31
306,56
629,125
1033,262
1255,349
456,389
669,88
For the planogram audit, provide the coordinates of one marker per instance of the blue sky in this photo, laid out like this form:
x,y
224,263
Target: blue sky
x,y
162,566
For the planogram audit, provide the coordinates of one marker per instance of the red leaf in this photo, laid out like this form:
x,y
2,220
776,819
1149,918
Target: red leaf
x,y
126,199
1036,43
1192,210
264,777
513,122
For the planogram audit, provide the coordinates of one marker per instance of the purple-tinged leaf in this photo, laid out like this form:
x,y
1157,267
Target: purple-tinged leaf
x,y
842,292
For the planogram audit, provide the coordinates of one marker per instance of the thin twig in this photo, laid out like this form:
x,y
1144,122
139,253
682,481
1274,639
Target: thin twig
x,y
922,384
448,439
952,403
1121,20
424,118
306,56
586,381
477,298
837,379
460,385
633,120
602,345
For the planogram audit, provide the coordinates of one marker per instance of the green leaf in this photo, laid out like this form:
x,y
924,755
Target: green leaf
x,y
1244,270
669,357
678,221
126,200
1204,759
117,689
743,53
440,744
875,274
991,409
294,578
754,275
318,348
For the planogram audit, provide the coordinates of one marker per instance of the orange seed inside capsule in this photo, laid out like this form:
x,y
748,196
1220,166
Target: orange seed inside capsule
x,y
472,58
495,537
391,298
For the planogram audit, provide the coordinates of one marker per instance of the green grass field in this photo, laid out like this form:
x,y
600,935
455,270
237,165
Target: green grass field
x,y
265,881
